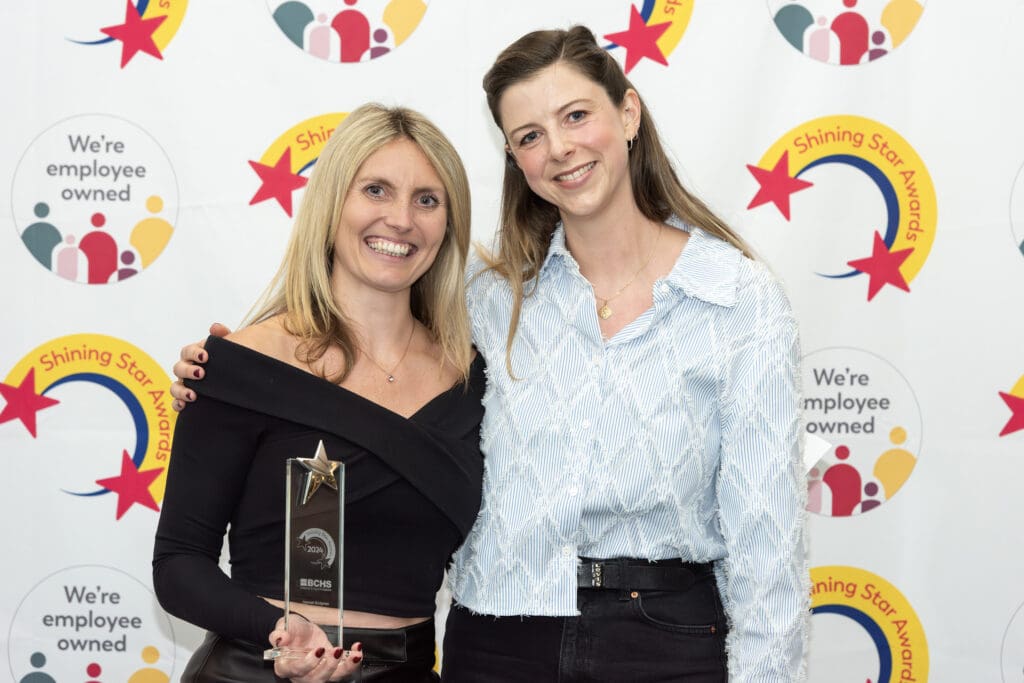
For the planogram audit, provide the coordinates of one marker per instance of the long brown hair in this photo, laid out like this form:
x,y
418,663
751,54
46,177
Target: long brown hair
x,y
528,221
301,289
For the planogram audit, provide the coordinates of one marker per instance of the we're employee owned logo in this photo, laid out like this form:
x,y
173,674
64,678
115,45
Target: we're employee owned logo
x,y
95,199
862,405
347,30
845,32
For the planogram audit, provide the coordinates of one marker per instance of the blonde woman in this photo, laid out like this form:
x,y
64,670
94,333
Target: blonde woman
x,y
362,341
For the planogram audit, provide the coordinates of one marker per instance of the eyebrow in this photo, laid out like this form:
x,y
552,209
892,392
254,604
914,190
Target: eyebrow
x,y
376,180
567,105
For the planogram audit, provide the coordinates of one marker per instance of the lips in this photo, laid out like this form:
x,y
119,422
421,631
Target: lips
x,y
576,173
388,247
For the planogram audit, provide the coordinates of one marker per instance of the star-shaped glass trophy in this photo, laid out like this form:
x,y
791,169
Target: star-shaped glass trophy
x,y
314,531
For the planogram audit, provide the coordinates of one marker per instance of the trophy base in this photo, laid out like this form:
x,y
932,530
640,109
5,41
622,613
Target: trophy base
x,y
273,653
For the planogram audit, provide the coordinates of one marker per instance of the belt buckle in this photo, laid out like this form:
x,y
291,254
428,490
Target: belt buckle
x,y
597,574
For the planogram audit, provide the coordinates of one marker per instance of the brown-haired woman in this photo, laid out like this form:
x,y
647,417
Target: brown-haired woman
x,y
643,501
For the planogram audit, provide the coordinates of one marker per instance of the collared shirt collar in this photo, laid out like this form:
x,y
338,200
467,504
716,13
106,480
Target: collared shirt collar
x,y
708,267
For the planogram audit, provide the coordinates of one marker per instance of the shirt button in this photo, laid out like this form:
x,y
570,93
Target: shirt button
x,y
585,424
596,359
573,491
566,550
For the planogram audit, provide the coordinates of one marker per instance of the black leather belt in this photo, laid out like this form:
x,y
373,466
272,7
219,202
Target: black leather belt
x,y
630,574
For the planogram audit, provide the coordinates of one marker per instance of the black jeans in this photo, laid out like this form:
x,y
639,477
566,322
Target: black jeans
x,y
619,636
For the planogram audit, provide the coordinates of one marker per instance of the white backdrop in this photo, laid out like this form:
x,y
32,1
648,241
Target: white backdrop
x,y
916,512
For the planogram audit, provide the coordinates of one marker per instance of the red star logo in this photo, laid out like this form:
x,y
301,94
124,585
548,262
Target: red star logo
x,y
23,402
132,485
883,267
640,40
1016,406
135,34
776,185
278,181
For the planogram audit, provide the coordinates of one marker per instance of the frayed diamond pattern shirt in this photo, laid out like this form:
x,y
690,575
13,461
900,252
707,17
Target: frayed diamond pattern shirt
x,y
676,438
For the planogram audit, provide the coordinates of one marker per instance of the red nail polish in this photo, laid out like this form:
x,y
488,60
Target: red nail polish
x,y
319,652
202,357
337,652
277,642
357,658
196,373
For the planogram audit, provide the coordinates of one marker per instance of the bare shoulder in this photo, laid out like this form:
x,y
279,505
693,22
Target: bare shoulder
x,y
268,337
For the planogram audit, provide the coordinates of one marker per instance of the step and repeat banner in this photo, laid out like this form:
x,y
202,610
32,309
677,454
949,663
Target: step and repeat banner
x,y
871,151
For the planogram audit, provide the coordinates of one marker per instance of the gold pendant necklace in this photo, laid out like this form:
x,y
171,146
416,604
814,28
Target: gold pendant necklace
x,y
390,374
604,310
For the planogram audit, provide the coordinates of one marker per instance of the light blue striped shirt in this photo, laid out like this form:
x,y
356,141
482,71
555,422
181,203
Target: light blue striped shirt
x,y
677,438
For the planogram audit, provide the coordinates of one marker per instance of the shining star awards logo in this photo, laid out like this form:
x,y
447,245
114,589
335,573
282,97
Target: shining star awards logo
x,y
654,31
285,165
845,33
862,404
809,176
95,199
90,623
347,30
96,411
863,629
1014,401
145,27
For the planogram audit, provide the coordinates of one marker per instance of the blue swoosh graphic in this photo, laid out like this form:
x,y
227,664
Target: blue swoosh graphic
x,y
134,408
892,205
873,629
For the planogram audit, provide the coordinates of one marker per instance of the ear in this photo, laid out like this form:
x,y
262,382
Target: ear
x,y
509,158
631,113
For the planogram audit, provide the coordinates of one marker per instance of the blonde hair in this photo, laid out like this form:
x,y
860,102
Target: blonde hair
x,y
527,221
301,288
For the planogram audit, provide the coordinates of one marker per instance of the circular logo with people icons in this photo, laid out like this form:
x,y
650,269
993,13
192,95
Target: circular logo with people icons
x,y
845,32
347,30
94,199
90,623
864,408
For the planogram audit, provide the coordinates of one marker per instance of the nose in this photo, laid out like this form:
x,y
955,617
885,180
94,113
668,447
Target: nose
x,y
562,145
399,215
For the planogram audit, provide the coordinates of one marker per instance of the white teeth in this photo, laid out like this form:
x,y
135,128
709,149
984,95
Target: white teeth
x,y
578,173
390,248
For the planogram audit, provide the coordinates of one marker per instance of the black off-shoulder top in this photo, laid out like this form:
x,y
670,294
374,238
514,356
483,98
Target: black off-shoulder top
x,y
412,491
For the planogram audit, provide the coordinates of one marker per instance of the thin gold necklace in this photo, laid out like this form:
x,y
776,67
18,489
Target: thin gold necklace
x,y
604,310
391,373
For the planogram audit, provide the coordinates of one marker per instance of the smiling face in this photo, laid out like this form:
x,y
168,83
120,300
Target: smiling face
x,y
569,140
393,221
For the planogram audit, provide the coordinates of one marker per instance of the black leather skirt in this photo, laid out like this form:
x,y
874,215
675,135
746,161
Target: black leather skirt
x,y
401,655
